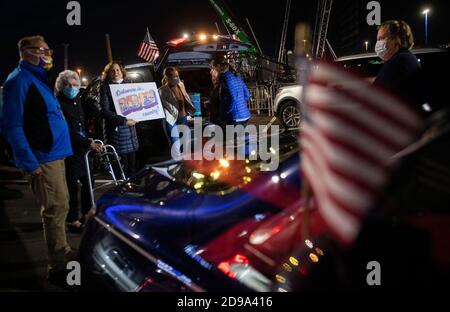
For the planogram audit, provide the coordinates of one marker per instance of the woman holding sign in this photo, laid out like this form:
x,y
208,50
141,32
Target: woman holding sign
x,y
119,131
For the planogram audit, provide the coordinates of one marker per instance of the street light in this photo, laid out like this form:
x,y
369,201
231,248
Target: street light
x,y
79,72
425,12
366,43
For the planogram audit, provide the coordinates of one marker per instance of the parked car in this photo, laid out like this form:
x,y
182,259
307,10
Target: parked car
x,y
176,227
287,105
434,61
140,236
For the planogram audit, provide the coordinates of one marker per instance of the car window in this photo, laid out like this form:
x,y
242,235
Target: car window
x,y
365,67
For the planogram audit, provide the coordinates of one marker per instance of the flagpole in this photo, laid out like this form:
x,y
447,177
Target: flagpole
x,y
108,48
302,35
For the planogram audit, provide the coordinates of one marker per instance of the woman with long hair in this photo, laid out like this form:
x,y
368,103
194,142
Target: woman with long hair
x,y
177,105
119,131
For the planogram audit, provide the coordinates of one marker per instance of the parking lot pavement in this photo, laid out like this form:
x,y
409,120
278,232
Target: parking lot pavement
x,y
262,120
22,249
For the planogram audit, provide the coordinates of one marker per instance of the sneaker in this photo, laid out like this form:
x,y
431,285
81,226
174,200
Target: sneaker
x,y
59,279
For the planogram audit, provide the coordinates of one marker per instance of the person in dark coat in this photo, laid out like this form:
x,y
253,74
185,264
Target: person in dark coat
x,y
67,89
401,73
120,132
214,99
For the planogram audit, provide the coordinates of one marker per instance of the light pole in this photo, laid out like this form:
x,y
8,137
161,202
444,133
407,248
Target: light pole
x,y
66,56
425,12
366,43
79,72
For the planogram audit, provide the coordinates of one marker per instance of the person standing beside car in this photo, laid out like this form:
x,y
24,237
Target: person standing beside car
x,y
401,72
67,90
33,124
120,132
233,94
177,105
214,100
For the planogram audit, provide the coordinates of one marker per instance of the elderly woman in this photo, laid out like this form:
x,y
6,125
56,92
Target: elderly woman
x,y
119,131
401,73
67,89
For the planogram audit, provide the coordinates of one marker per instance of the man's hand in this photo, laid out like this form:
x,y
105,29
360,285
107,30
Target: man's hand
x,y
37,172
131,122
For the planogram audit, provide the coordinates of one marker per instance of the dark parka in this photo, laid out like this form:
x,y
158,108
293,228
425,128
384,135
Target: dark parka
x,y
75,117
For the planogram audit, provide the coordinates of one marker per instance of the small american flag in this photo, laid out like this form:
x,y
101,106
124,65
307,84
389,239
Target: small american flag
x,y
351,133
148,49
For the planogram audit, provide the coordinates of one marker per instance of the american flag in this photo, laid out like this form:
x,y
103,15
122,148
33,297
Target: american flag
x,y
351,133
148,49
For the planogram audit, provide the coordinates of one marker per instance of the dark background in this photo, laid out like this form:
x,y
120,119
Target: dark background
x,y
126,21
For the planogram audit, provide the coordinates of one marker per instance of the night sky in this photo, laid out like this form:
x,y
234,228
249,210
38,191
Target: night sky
x,y
126,21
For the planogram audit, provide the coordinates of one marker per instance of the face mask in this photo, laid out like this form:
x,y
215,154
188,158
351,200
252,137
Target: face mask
x,y
380,49
46,61
119,81
174,81
71,92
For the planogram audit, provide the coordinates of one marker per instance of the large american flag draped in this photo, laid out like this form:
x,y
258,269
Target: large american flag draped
x,y
351,133
148,49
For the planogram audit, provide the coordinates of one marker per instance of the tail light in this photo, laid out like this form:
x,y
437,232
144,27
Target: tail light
x,y
227,266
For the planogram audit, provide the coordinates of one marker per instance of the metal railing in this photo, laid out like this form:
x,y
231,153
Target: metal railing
x,y
262,99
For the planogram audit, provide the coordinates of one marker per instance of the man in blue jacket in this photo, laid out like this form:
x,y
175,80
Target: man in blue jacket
x,y
34,126
233,94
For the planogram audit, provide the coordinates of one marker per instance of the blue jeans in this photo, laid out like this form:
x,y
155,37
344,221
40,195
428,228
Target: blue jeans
x,y
175,136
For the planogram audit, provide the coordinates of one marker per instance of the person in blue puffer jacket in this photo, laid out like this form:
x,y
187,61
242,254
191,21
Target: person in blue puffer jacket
x,y
233,95
33,124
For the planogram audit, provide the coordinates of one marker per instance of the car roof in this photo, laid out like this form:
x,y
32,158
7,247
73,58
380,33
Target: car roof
x,y
372,55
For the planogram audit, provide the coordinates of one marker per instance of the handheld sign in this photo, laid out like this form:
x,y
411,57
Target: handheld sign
x,y
137,101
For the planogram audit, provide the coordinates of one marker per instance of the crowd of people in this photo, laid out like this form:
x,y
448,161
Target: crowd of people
x,y
47,132
46,127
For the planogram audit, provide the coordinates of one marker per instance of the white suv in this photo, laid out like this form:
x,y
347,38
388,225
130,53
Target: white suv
x,y
288,105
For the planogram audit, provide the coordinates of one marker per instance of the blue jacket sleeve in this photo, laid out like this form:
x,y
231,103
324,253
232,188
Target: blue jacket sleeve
x,y
14,95
232,92
246,92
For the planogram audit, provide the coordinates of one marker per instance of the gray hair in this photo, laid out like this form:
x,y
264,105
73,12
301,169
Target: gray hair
x,y
62,79
27,41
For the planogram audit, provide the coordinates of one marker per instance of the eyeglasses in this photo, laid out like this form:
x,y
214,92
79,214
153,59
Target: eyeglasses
x,y
41,50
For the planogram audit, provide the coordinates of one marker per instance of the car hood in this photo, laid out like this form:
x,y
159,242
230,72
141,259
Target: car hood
x,y
155,207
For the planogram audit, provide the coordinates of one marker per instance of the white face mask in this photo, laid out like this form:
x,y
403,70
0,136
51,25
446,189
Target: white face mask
x,y
119,81
380,49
